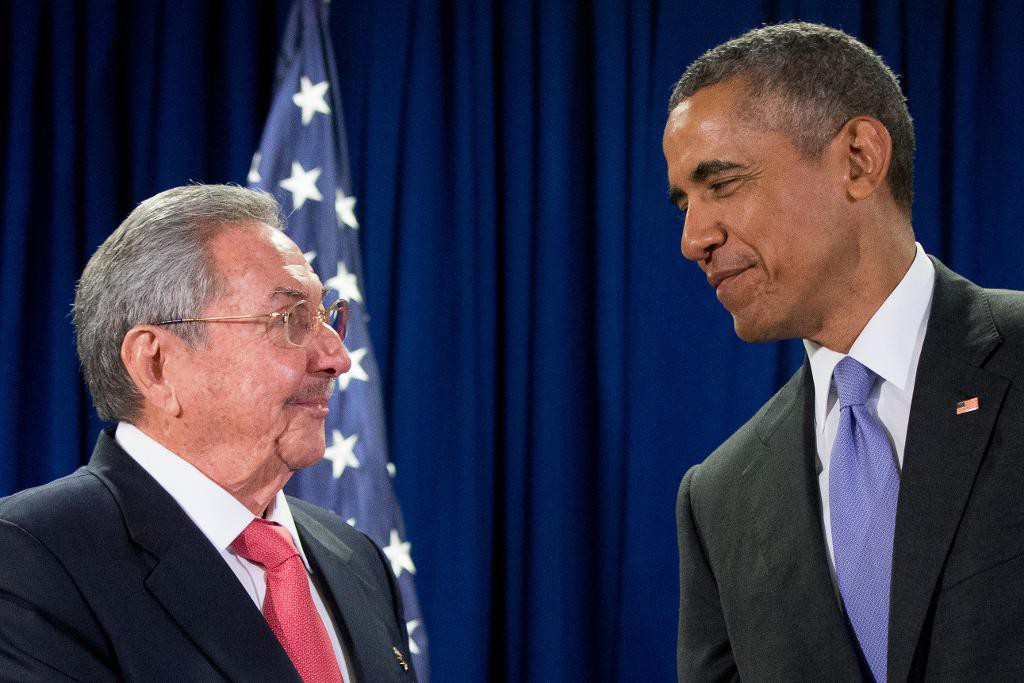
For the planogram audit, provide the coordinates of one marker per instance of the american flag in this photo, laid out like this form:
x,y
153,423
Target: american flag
x,y
967,406
303,160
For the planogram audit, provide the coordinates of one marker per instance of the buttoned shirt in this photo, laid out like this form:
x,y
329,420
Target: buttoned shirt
x,y
221,518
890,346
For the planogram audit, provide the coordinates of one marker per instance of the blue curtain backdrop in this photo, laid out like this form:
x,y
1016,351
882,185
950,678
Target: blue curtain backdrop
x,y
551,364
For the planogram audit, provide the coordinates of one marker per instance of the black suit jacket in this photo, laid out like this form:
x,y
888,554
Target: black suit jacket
x,y
757,601
103,577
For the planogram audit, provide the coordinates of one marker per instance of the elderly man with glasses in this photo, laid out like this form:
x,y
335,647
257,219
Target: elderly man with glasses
x,y
175,554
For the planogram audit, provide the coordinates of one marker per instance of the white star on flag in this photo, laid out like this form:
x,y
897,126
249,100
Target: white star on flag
x,y
302,185
410,626
342,452
309,255
398,554
345,210
345,284
254,169
310,99
356,371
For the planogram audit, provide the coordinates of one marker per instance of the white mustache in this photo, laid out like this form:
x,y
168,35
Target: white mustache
x,y
318,391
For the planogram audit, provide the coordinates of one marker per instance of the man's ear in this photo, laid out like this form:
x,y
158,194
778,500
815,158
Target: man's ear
x,y
145,351
868,149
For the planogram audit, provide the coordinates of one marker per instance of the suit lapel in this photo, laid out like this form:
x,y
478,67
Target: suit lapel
x,y
189,577
943,452
785,507
194,585
354,601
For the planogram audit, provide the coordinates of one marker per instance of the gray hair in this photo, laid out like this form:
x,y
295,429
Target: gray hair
x,y
156,266
808,80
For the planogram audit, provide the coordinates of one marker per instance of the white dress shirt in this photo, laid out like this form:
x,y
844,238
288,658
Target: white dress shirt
x,y
221,518
890,346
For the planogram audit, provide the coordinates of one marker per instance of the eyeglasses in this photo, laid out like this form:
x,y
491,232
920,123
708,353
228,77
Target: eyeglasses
x,y
295,326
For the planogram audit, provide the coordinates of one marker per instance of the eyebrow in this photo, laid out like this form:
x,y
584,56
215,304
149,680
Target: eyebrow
x,y
710,167
293,293
676,196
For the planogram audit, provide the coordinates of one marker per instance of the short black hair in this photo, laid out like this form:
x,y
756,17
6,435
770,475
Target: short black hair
x,y
811,79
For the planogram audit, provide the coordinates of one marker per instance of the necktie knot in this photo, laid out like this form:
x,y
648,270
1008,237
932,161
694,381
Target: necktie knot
x,y
853,382
265,543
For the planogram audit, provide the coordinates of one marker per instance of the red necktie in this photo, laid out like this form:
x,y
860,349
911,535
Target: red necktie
x,y
288,605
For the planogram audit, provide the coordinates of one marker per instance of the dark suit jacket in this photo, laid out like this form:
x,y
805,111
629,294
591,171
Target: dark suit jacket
x,y
757,600
103,577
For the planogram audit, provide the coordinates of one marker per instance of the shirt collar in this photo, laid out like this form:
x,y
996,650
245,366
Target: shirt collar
x,y
218,514
888,342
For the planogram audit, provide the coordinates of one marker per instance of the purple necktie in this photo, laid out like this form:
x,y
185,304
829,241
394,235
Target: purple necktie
x,y
864,484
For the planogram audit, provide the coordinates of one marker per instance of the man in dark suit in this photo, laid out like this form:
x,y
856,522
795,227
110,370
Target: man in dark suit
x,y
174,555
868,521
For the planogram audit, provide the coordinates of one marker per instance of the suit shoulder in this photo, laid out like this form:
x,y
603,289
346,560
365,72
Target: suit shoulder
x,y
1007,308
709,484
704,483
732,457
56,504
1007,311
47,534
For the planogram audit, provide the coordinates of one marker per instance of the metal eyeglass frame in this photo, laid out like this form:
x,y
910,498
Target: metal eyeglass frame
x,y
339,309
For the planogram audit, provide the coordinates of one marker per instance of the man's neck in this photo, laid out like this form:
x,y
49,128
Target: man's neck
x,y
254,487
873,282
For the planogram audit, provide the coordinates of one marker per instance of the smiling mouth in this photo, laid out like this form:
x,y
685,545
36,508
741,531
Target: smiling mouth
x,y
716,278
316,408
311,402
314,397
318,392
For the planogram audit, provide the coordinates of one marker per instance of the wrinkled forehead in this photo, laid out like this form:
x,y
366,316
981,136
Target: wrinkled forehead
x,y
257,260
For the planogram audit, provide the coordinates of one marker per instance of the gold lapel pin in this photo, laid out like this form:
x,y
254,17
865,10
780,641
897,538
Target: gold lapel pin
x,y
967,406
400,658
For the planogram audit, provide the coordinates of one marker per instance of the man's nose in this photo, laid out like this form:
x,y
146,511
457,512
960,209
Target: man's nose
x,y
327,353
703,232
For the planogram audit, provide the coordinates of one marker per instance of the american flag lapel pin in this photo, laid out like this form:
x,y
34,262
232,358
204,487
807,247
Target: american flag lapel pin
x,y
967,406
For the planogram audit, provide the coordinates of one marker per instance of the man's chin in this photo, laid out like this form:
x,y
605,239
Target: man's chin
x,y
302,449
301,460
752,330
